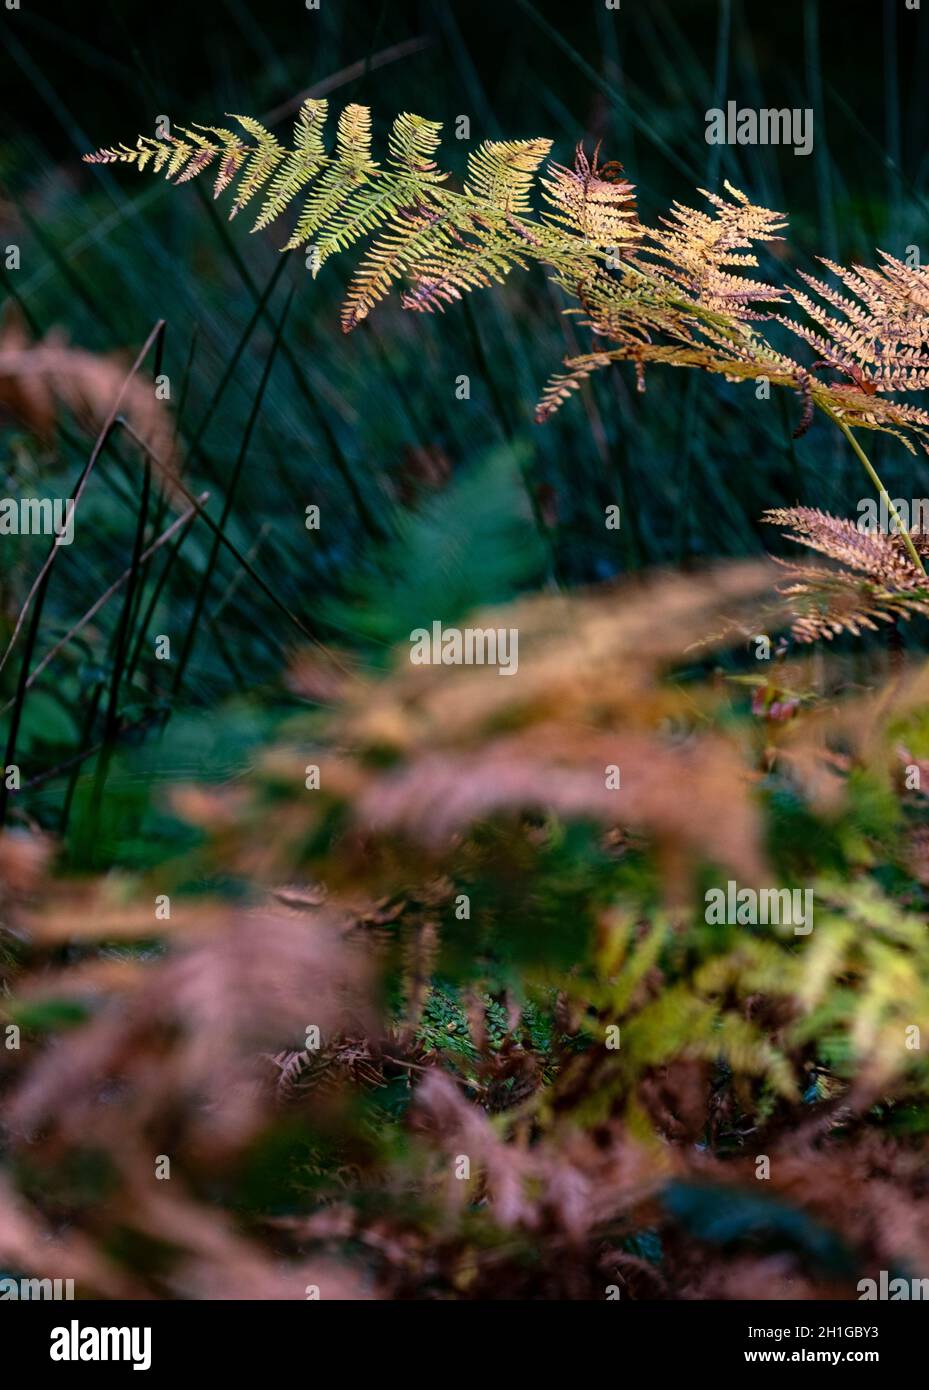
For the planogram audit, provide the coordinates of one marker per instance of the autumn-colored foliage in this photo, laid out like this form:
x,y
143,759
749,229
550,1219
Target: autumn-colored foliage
x,y
610,1066
428,1003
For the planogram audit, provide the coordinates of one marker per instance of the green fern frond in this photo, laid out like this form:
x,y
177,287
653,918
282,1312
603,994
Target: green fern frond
x,y
415,233
301,164
353,138
412,143
351,166
469,265
414,174
445,242
260,164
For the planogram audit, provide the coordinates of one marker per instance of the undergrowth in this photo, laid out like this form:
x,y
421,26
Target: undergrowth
x,y
373,979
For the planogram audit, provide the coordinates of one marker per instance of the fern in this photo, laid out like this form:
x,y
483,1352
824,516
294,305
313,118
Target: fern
x,y
300,165
469,546
592,201
676,293
882,343
874,580
445,242
676,283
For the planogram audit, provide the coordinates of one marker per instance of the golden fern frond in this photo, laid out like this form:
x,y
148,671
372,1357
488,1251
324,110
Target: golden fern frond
x,y
592,200
697,251
448,243
676,293
502,172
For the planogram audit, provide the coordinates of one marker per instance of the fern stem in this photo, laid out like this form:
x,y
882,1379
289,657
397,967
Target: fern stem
x,y
875,479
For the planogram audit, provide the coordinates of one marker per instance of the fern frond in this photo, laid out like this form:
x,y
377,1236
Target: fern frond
x,y
351,166
204,153
414,174
477,248
697,251
415,234
562,386
441,279
233,155
501,172
678,293
412,142
445,242
880,338
263,158
875,582
871,552
592,201
302,163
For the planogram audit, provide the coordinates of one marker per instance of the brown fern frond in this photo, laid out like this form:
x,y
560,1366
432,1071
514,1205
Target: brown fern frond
x,y
676,299
562,386
879,338
870,552
237,989
805,390
875,582
37,379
